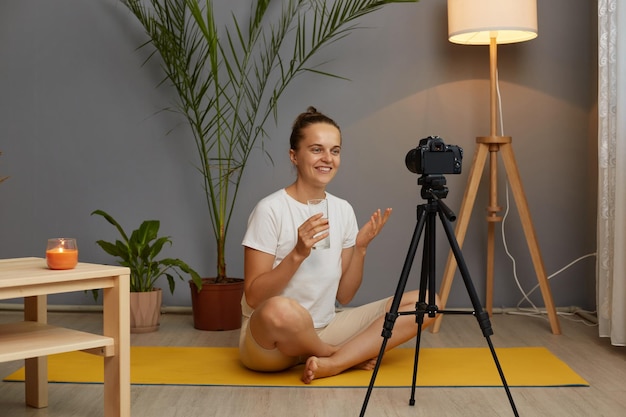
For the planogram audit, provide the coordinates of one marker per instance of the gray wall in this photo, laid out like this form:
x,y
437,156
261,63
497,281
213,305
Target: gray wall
x,y
80,129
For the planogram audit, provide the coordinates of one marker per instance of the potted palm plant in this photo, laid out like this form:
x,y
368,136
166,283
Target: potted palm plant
x,y
139,252
228,82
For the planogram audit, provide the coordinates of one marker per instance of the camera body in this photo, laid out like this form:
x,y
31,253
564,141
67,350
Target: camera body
x,y
433,157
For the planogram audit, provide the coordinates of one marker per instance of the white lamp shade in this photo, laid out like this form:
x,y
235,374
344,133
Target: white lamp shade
x,y
475,22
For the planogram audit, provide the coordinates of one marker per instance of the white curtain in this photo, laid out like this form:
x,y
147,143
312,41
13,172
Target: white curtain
x,y
611,273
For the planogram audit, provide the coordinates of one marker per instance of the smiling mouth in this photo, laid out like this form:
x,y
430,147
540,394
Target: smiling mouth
x,y
323,169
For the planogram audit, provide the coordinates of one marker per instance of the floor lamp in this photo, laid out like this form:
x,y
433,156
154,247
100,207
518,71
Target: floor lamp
x,y
493,22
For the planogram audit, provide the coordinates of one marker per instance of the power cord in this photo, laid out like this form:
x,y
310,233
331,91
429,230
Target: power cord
x,y
535,311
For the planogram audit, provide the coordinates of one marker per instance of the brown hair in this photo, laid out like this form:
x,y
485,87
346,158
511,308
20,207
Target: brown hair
x,y
304,120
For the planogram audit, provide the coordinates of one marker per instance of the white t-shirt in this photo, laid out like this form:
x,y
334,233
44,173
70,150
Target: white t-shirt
x,y
273,228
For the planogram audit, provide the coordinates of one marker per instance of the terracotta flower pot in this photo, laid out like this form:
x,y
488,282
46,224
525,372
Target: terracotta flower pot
x,y
217,306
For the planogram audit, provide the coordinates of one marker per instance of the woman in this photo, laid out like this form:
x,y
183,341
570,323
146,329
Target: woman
x,y
290,289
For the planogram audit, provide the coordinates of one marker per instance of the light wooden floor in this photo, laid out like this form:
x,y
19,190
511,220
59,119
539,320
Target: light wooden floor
x,y
603,365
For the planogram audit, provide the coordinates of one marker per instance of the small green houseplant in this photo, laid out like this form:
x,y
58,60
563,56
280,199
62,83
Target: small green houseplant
x,y
139,252
228,80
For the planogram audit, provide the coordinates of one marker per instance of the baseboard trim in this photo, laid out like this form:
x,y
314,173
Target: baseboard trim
x,y
70,308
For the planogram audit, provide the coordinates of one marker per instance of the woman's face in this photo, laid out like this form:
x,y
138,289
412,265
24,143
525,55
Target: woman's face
x,y
318,155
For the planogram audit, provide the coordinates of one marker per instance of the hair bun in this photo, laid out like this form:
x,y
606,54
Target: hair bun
x,y
309,117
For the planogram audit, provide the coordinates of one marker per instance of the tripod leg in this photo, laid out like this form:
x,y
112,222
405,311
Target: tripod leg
x,y
426,286
392,315
418,341
529,230
481,315
491,247
478,165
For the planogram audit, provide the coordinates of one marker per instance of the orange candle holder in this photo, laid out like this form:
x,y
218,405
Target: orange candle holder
x,y
62,253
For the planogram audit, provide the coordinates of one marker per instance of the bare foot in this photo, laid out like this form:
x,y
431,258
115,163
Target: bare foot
x,y
316,367
310,368
321,368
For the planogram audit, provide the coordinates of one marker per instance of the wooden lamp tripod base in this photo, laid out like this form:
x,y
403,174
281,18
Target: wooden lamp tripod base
x,y
492,145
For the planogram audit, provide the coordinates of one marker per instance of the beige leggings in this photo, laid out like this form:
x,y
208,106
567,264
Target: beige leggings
x,y
345,325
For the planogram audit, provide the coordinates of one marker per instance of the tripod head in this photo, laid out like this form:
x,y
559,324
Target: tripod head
x,y
434,190
433,186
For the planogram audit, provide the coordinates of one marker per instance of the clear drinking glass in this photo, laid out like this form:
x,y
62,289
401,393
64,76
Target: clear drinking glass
x,y
316,206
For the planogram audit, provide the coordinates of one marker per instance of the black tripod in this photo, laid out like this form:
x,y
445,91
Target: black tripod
x,y
433,190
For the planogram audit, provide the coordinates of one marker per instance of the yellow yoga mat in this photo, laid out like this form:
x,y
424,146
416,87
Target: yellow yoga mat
x,y
441,367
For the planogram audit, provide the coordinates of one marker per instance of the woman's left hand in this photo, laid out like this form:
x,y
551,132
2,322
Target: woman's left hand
x,y
371,229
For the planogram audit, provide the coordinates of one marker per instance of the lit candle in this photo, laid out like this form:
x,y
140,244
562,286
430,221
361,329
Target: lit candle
x,y
61,254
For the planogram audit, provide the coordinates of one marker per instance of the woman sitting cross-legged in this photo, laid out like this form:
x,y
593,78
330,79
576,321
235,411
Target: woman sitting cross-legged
x,y
291,288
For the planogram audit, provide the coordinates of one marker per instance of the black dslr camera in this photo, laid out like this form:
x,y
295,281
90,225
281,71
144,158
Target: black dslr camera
x,y
433,157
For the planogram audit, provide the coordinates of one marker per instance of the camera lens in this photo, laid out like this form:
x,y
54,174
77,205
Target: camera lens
x,y
410,161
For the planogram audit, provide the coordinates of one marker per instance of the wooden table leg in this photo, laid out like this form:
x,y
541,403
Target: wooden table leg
x,y
117,367
36,369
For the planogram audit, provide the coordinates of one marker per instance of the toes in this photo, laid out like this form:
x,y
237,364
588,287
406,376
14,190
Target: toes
x,y
309,370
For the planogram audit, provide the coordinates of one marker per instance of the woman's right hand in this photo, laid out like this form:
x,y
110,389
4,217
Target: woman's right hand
x,y
314,229
262,280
